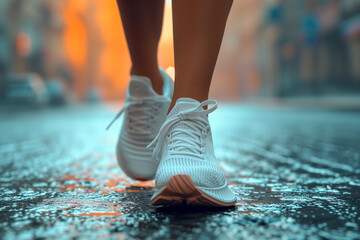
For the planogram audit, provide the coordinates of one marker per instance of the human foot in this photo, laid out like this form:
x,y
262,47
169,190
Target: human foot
x,y
188,171
145,111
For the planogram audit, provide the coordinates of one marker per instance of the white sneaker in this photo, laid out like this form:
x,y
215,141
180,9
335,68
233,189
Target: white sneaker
x,y
145,111
188,171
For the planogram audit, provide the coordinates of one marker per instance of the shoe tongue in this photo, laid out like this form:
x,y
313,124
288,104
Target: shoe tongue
x,y
183,104
141,87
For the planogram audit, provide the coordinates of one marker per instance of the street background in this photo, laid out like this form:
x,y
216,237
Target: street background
x,y
270,48
287,131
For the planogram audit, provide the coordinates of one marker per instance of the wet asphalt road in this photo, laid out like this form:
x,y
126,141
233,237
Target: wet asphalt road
x,y
295,172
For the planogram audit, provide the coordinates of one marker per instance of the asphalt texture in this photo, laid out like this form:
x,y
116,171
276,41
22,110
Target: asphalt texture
x,y
296,174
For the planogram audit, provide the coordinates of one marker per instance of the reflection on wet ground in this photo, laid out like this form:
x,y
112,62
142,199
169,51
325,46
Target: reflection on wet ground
x,y
295,173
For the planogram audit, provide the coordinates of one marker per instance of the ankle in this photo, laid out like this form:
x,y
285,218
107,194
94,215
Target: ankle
x,y
197,97
157,82
153,74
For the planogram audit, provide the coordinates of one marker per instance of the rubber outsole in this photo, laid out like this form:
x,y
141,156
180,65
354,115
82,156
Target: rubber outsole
x,y
182,190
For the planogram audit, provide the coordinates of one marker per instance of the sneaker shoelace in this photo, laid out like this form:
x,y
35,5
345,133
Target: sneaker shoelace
x,y
148,109
184,140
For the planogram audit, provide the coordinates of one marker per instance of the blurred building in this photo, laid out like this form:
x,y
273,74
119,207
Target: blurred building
x,y
237,73
309,47
65,40
30,39
79,42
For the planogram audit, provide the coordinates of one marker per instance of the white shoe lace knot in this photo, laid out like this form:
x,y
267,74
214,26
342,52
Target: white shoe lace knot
x,y
184,140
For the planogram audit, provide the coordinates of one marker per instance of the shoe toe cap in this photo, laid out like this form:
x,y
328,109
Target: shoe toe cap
x,y
203,173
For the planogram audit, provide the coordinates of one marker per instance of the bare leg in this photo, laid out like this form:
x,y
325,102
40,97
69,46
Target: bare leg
x,y
198,31
142,22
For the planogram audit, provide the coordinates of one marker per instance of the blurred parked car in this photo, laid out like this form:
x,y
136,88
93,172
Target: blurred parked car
x,y
27,88
56,92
